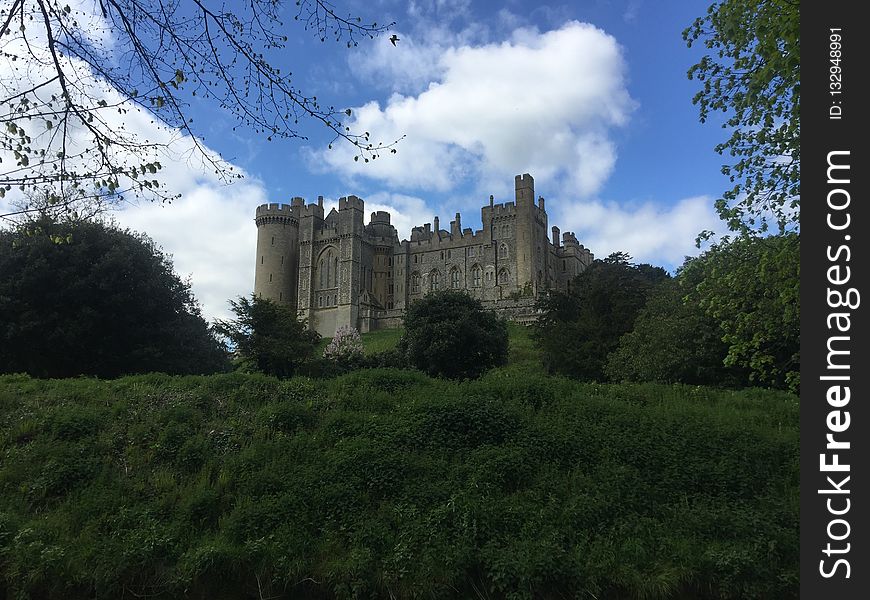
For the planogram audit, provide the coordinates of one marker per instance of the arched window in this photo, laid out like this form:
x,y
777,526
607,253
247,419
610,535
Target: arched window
x,y
434,281
454,279
327,268
503,251
504,277
505,231
475,276
415,283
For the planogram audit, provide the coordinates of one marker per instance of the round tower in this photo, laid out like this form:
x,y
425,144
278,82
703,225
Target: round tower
x,y
277,271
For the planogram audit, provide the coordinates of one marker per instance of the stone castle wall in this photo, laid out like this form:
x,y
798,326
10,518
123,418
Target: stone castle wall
x,y
337,270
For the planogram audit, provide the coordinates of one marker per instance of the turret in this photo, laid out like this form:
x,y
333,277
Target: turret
x,y
276,271
525,189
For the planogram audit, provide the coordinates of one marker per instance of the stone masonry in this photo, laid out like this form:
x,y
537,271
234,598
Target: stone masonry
x,y
336,270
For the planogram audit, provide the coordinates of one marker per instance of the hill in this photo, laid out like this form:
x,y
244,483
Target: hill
x,y
386,483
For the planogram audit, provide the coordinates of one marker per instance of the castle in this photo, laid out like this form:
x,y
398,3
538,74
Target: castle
x,y
336,270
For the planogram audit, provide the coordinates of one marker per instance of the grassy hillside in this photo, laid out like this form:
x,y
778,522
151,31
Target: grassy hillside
x,y
386,483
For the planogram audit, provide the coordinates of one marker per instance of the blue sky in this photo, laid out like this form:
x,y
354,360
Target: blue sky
x,y
591,98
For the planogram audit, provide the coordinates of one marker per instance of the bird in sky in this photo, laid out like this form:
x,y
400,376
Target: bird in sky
x,y
394,38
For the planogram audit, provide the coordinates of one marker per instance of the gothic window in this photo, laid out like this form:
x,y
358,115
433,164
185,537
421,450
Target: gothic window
x,y
415,283
489,277
475,276
327,269
471,251
505,230
334,270
454,279
434,281
504,277
503,251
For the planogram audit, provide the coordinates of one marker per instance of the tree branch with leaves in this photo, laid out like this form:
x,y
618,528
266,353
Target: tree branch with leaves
x,y
753,75
71,79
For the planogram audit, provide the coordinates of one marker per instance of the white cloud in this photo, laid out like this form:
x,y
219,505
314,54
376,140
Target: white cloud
x,y
405,211
651,233
543,103
209,231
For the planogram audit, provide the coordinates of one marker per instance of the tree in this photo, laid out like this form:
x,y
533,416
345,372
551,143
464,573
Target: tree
x,y
70,78
673,341
754,76
449,334
81,298
578,329
268,336
751,287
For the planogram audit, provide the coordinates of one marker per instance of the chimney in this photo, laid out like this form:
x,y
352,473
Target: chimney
x,y
437,226
320,201
555,236
541,203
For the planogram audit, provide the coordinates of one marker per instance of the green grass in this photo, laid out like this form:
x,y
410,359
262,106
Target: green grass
x,y
523,354
387,483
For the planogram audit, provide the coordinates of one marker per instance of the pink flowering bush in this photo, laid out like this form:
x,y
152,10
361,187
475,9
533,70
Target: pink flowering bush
x,y
345,346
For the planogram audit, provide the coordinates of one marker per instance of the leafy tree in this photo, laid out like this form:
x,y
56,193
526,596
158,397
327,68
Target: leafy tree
x,y
69,76
268,336
579,328
751,287
86,298
449,334
753,75
673,341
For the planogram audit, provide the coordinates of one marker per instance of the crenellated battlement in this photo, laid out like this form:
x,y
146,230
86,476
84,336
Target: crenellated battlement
x,y
339,270
351,203
277,213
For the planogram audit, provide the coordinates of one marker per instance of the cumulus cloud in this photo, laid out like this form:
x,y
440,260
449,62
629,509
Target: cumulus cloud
x,y
209,231
660,235
544,103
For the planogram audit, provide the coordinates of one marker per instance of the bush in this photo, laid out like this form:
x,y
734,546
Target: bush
x,y
86,298
268,337
345,346
449,334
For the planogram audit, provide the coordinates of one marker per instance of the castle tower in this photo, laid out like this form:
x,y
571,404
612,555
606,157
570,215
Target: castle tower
x,y
276,273
525,229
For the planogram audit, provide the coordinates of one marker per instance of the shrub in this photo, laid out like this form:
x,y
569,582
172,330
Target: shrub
x,y
449,334
268,336
103,302
345,346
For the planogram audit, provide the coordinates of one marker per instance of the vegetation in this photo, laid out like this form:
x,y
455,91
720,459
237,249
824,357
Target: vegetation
x,y
673,341
267,336
753,75
75,75
578,329
450,334
751,286
79,298
387,483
